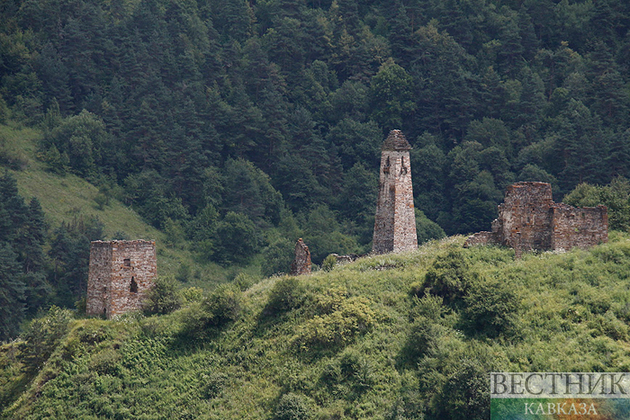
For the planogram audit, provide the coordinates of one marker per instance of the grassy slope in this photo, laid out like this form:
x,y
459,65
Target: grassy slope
x,y
572,315
64,198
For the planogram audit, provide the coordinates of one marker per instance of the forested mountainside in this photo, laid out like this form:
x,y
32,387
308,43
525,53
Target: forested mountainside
x,y
262,113
236,127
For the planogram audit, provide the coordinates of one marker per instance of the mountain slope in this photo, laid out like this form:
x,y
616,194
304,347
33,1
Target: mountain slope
x,y
355,342
69,198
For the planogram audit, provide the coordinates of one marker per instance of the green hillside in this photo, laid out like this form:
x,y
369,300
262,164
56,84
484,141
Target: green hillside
x,y
408,336
67,198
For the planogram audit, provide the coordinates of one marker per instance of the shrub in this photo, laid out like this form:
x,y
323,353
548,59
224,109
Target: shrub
x,y
349,375
448,277
42,336
329,263
163,297
243,281
424,335
191,294
223,305
466,393
293,407
340,327
490,309
431,307
106,362
287,294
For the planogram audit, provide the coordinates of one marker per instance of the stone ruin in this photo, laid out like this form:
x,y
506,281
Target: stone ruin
x,y
302,262
530,220
395,223
121,273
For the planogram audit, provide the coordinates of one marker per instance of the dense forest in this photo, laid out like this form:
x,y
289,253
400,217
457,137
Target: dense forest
x,y
237,126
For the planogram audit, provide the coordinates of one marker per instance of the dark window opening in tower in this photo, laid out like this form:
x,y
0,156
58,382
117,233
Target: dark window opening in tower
x,y
403,168
133,288
127,262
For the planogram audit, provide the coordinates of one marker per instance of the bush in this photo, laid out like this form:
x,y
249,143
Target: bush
x,y
287,294
448,277
424,336
191,294
223,305
340,327
293,407
243,281
490,309
466,393
329,263
42,336
163,297
106,362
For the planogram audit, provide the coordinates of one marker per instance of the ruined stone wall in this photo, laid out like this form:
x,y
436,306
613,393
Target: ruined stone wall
x,y
524,217
529,219
121,273
302,261
395,222
578,227
481,238
99,278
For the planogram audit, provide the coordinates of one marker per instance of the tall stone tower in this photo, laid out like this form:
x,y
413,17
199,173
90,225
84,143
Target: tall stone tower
x,y
121,274
395,224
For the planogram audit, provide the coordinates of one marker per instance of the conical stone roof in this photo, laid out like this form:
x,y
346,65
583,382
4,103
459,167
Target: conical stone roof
x,y
396,141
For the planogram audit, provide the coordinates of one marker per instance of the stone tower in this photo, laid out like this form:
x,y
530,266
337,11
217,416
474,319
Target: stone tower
x,y
121,274
395,224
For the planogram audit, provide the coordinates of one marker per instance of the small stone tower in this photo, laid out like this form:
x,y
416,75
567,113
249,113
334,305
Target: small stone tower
x,y
121,274
395,224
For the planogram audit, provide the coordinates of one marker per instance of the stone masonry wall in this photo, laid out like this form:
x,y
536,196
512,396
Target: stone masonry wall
x,y
578,227
302,262
99,278
395,222
529,219
524,220
121,273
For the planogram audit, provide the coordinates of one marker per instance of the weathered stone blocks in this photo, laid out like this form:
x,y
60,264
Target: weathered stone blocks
x,y
302,262
529,219
395,224
121,273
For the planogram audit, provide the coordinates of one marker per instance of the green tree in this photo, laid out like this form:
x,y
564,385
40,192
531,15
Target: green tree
x,y
391,95
12,296
277,257
237,239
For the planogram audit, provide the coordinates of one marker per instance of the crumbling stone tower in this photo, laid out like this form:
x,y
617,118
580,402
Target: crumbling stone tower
x,y
121,274
395,224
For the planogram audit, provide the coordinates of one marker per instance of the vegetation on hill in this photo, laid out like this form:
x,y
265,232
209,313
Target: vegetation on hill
x,y
46,223
214,116
407,336
232,128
